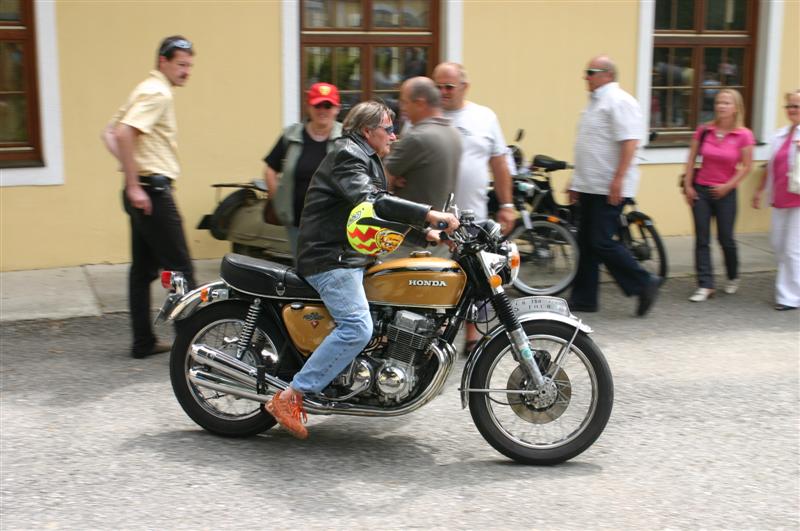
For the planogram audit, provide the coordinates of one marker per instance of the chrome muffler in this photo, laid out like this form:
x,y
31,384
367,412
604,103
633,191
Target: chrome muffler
x,y
237,378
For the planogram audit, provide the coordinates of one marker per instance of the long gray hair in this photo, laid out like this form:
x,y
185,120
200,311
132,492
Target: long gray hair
x,y
366,115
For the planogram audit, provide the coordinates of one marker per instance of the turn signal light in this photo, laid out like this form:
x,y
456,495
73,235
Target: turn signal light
x,y
495,281
204,295
553,219
166,279
515,261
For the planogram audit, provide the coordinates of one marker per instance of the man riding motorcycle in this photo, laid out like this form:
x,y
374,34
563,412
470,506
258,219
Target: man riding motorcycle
x,y
350,174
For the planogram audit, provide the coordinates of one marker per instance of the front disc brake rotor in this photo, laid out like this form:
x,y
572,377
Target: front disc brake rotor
x,y
543,405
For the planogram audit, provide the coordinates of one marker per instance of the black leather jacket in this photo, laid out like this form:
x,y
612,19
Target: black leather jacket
x,y
350,174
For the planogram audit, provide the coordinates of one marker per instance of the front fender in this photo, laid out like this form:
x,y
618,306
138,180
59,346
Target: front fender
x,y
484,342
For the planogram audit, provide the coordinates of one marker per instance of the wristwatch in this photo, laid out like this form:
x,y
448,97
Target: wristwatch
x,y
506,205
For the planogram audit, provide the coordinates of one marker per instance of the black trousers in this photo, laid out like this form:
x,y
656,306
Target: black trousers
x,y
157,242
704,208
598,224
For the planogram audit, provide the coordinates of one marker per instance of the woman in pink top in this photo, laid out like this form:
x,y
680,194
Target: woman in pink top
x,y
727,153
783,176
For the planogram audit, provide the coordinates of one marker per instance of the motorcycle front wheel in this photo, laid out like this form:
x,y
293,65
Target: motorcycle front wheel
x,y
219,326
548,427
549,257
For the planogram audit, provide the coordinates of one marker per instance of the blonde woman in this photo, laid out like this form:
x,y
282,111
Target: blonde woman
x,y
727,152
783,176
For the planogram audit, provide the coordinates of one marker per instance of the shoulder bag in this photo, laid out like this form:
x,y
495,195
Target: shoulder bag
x,y
703,134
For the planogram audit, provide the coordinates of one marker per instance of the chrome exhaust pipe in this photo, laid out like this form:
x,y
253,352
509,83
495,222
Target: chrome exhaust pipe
x,y
242,378
233,368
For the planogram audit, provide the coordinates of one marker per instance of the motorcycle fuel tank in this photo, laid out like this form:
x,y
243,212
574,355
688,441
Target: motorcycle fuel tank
x,y
423,282
307,324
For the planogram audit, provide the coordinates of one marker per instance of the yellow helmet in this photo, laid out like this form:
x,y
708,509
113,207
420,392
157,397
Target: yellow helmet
x,y
366,233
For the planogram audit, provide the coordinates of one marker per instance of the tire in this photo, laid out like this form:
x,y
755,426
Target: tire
x,y
548,434
646,246
549,256
220,413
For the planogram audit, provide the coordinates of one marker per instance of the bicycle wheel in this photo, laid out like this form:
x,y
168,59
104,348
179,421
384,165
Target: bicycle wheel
x,y
549,255
645,245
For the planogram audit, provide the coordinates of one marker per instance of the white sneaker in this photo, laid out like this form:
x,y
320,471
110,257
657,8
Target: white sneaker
x,y
701,294
732,286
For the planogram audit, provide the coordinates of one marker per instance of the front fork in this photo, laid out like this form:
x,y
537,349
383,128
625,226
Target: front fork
x,y
520,346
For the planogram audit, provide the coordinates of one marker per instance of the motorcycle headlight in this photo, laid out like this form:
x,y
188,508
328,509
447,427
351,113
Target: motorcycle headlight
x,y
514,261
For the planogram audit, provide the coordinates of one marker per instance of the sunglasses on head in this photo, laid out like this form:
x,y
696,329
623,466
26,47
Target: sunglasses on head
x,y
167,47
592,71
324,105
446,86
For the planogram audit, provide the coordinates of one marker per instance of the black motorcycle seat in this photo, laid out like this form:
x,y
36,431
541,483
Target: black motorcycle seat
x,y
548,163
264,278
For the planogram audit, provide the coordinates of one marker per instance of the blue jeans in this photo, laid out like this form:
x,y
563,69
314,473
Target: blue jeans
x,y
342,291
703,209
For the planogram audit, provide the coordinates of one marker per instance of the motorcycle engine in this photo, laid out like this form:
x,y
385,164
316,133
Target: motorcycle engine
x,y
409,336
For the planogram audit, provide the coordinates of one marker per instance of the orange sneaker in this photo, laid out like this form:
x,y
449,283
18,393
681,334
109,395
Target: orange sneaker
x,y
290,414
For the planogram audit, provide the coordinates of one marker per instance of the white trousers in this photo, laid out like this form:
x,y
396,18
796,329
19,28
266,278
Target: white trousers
x,y
785,236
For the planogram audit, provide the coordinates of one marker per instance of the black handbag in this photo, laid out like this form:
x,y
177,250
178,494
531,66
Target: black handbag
x,y
703,134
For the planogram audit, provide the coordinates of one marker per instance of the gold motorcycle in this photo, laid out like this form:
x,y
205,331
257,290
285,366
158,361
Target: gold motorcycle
x,y
538,388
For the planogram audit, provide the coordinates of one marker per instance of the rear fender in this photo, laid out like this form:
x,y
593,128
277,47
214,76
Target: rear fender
x,y
183,307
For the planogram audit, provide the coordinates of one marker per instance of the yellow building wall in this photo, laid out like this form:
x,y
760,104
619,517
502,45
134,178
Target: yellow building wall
x,y
525,60
229,114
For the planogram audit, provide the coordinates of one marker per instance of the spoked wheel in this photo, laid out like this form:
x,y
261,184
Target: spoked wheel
x,y
646,246
558,421
549,256
219,326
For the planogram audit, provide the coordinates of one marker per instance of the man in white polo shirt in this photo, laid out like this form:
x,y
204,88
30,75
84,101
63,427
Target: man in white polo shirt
x,y
142,135
605,175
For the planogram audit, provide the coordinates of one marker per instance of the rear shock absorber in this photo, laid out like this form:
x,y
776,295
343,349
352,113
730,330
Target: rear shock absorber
x,y
249,328
516,335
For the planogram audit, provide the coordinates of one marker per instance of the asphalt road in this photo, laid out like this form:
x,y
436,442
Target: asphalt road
x,y
704,434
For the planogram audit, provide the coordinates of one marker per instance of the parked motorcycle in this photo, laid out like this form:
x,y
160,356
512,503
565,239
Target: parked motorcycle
x,y
538,388
239,219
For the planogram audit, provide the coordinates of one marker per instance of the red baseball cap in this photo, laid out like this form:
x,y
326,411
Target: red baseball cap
x,y
320,92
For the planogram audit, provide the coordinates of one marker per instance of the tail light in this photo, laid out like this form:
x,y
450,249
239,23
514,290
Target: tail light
x,y
173,281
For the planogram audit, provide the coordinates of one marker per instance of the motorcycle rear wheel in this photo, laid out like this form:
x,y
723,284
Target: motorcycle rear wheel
x,y
219,326
549,256
544,433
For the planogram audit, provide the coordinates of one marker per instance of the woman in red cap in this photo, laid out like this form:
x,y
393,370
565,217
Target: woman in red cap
x,y
297,154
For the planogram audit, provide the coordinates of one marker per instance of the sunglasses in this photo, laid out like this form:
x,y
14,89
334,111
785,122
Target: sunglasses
x,y
787,107
447,86
183,44
388,128
592,71
324,105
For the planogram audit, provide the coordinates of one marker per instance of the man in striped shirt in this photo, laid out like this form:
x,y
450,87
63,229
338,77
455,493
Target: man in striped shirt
x,y
605,175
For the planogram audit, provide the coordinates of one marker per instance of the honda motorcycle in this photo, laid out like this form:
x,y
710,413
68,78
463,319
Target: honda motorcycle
x,y
538,388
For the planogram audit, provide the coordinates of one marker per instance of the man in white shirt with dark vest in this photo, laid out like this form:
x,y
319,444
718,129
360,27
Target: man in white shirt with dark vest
x,y
605,175
142,135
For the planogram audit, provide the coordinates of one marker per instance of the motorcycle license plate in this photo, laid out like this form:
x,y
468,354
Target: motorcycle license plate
x,y
536,304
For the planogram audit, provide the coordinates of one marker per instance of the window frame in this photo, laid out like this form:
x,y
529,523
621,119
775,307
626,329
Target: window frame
x,y
28,153
368,37
698,40
766,89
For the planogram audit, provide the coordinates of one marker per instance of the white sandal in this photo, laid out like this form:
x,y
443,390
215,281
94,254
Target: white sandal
x,y
701,294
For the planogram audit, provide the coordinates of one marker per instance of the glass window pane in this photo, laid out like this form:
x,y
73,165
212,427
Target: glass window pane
x,y
726,14
332,13
415,13
415,61
347,69
731,66
11,67
674,14
386,14
672,67
349,99
387,72
318,63
10,11
13,115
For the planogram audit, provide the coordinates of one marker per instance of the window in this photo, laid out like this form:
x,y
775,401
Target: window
x,y
699,47
20,143
367,47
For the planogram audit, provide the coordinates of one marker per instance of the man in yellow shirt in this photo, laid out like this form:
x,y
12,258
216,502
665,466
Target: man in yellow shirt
x,y
142,135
